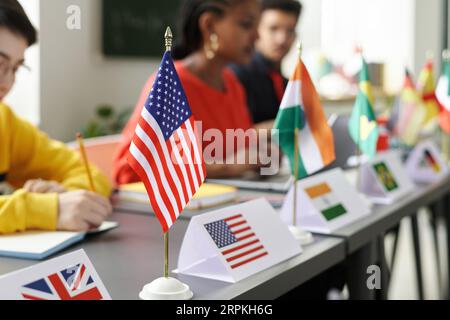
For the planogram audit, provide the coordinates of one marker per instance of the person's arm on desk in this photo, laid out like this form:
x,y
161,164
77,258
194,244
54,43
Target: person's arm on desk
x,y
34,156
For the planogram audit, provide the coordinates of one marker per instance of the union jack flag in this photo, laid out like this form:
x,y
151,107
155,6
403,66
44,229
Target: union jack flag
x,y
236,240
74,283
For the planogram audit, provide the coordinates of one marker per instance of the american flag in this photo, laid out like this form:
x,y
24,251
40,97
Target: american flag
x,y
165,151
236,240
74,283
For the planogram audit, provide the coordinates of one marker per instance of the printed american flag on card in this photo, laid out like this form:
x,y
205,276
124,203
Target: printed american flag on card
x,y
166,151
236,240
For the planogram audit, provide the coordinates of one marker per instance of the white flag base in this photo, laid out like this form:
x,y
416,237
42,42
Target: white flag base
x,y
166,289
301,235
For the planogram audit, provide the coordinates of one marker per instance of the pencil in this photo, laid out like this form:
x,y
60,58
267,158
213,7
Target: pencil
x,y
85,160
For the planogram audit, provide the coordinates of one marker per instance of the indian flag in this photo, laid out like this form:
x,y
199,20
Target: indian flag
x,y
326,201
301,108
443,96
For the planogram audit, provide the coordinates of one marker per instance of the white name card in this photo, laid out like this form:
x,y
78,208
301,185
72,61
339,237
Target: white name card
x,y
69,277
326,202
234,243
384,179
425,164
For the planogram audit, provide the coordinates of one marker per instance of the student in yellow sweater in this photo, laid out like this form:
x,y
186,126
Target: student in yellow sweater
x,y
50,180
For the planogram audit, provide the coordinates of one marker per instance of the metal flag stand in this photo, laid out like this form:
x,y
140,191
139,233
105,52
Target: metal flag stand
x,y
303,236
166,288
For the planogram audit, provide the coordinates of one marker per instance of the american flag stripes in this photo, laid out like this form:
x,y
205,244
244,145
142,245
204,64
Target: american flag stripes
x,y
236,240
165,151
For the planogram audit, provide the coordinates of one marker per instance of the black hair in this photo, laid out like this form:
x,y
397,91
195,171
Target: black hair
x,y
190,38
289,6
14,18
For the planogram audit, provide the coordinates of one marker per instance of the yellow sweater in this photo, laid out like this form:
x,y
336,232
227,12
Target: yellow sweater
x,y
26,153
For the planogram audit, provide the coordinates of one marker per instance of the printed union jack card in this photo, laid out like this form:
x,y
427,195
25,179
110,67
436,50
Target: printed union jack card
x,y
69,277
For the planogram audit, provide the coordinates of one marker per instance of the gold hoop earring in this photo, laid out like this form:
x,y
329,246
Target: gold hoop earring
x,y
214,42
213,47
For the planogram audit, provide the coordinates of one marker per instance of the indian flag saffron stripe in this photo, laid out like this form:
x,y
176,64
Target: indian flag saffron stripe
x,y
318,191
326,201
301,108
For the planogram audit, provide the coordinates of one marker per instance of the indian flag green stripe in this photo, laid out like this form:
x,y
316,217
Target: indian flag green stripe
x,y
286,122
334,212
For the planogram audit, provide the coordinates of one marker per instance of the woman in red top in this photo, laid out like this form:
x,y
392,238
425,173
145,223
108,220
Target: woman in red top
x,y
214,34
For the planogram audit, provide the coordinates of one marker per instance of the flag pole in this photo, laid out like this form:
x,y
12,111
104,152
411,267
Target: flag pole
x,y
294,221
358,149
168,42
296,151
358,157
166,254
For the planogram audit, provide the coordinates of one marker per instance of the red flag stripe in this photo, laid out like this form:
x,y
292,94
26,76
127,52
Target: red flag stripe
x,y
180,138
29,297
164,191
241,230
189,145
158,205
152,149
233,217
237,265
239,247
165,152
430,97
194,138
76,282
237,224
246,253
91,294
188,182
245,237
186,162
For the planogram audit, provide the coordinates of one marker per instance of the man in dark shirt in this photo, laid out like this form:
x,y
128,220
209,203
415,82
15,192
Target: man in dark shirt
x,y
262,78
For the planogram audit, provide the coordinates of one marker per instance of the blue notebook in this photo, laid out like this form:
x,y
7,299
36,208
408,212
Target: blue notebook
x,y
38,245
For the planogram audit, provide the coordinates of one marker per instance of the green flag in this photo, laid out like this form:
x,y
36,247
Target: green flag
x,y
363,126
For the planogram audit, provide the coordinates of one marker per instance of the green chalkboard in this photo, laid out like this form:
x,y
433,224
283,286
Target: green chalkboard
x,y
135,28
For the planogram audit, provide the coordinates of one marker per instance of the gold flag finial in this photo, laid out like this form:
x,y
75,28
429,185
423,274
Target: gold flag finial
x,y
169,38
300,50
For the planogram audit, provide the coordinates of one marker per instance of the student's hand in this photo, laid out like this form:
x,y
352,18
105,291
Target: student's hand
x,y
43,186
82,211
232,169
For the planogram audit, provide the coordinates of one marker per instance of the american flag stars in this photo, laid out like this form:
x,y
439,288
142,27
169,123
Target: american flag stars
x,y
170,102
